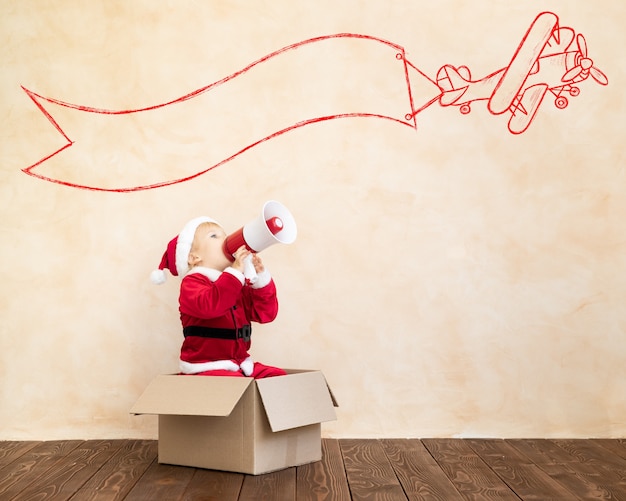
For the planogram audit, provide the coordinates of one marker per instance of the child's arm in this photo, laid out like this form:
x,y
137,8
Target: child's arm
x,y
260,299
261,304
202,298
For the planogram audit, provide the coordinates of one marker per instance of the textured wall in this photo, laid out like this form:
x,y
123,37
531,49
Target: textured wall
x,y
454,280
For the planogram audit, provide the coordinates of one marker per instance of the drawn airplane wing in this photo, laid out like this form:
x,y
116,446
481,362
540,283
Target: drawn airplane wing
x,y
526,108
512,81
558,43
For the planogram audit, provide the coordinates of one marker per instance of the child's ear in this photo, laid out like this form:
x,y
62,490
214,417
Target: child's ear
x,y
193,259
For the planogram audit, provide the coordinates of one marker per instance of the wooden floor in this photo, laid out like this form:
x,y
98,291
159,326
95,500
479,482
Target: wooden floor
x,y
428,469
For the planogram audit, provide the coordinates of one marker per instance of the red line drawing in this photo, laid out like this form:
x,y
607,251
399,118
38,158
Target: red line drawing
x,y
547,59
544,61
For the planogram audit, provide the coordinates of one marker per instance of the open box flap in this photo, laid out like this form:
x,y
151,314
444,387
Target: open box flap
x,y
191,395
296,400
330,390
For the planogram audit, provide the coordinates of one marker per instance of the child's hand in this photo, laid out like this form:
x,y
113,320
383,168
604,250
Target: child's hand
x,y
240,255
259,267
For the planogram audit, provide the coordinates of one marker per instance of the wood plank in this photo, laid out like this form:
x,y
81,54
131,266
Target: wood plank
x,y
593,454
542,451
211,485
590,452
369,472
525,478
587,481
62,481
10,451
468,472
388,469
269,486
323,480
419,474
29,467
161,481
118,476
615,445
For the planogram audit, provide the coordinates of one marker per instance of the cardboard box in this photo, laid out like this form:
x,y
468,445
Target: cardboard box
x,y
239,424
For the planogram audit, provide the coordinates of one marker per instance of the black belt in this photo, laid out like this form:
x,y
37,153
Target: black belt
x,y
244,332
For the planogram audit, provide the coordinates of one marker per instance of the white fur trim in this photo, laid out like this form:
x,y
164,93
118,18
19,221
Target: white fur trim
x,y
211,273
236,273
247,366
263,279
185,239
195,368
158,277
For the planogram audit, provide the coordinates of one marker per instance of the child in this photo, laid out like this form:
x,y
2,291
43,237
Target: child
x,y
216,303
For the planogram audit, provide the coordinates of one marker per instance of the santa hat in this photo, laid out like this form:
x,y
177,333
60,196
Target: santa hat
x,y
177,253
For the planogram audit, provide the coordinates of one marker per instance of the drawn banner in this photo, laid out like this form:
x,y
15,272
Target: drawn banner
x,y
339,76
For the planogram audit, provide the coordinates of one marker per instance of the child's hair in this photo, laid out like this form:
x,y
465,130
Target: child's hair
x,y
201,229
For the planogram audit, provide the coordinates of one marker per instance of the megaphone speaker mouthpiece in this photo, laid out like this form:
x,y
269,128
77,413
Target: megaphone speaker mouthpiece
x,y
274,224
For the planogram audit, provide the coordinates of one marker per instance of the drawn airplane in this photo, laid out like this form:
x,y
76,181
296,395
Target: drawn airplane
x,y
544,62
548,59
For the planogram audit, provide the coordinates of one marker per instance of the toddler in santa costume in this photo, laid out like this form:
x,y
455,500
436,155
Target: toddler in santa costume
x,y
217,303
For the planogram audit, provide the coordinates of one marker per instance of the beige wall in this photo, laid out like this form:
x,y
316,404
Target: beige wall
x,y
456,280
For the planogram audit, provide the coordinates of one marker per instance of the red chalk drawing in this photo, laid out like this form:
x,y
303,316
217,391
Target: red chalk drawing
x,y
339,73
544,62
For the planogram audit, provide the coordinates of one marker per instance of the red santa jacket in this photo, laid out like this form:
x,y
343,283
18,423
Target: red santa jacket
x,y
221,301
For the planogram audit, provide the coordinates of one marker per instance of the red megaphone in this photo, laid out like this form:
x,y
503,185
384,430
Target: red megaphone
x,y
274,225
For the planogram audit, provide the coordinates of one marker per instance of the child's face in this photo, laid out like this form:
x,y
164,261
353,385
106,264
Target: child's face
x,y
206,249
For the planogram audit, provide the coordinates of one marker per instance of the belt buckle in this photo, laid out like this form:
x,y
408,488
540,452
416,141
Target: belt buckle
x,y
245,332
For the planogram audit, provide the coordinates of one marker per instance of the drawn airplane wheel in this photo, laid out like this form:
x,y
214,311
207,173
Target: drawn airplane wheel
x,y
465,108
574,91
561,102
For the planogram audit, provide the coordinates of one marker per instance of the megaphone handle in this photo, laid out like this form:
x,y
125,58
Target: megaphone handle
x,y
248,270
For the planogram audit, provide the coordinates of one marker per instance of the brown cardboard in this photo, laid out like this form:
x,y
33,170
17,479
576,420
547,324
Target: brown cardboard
x,y
239,424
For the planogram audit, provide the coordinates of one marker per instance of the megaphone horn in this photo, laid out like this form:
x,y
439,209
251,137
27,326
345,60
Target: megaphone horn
x,y
274,225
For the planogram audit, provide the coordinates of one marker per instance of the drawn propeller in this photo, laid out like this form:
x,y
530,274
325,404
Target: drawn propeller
x,y
585,65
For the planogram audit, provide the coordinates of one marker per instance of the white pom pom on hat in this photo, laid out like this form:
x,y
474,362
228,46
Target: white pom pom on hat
x,y
158,277
177,253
